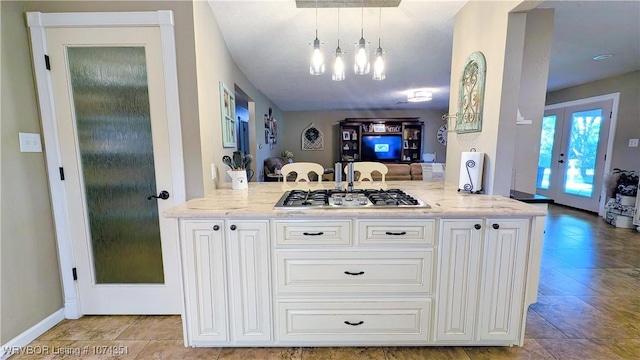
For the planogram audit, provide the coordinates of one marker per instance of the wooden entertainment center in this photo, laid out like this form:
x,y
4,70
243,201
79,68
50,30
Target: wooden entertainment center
x,y
397,140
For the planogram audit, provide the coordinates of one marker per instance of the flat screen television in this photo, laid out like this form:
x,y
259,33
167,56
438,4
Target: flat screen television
x,y
381,147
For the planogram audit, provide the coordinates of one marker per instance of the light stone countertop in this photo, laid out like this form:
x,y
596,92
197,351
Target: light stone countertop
x,y
258,200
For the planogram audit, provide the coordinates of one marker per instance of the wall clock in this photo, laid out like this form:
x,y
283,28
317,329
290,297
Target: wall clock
x,y
441,135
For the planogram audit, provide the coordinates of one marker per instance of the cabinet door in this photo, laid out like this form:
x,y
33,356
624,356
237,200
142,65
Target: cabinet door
x,y
204,282
505,254
460,242
249,280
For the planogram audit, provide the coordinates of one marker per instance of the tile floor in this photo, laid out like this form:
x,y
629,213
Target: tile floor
x,y
588,308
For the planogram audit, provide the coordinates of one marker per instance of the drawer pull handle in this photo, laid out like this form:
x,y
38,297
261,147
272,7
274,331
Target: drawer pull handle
x,y
313,234
495,226
396,233
352,273
354,324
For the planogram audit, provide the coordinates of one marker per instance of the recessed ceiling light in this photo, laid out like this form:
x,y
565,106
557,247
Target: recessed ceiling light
x,y
602,57
419,96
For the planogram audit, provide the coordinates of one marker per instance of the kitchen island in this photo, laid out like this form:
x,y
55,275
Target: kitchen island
x,y
462,271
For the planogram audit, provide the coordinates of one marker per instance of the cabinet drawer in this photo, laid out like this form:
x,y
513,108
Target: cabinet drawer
x,y
396,232
357,320
313,232
355,272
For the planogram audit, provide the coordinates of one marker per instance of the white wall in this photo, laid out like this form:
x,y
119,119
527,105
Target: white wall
x,y
533,86
214,64
29,276
491,28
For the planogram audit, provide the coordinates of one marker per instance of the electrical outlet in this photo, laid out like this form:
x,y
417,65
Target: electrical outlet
x,y
633,142
30,142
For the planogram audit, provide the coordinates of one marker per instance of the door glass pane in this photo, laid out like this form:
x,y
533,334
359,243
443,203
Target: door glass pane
x,y
546,151
111,101
582,152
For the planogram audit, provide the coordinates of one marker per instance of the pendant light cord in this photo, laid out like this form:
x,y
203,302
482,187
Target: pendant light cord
x,y
380,27
316,19
338,27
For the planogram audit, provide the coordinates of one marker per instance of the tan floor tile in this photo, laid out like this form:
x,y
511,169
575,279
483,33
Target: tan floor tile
x,y
625,348
579,320
531,350
555,283
589,258
341,353
579,349
154,328
175,350
261,354
606,281
46,350
85,350
539,328
90,328
426,353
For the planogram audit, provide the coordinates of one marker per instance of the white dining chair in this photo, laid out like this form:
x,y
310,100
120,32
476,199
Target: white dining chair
x,y
302,169
366,168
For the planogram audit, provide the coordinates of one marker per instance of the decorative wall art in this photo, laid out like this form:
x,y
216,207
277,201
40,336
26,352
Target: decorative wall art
x,y
312,138
471,94
228,110
270,129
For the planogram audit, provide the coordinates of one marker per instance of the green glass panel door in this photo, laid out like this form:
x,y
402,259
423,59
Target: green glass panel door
x,y
113,127
582,151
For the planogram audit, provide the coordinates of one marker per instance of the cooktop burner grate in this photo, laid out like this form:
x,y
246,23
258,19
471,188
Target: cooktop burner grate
x,y
333,199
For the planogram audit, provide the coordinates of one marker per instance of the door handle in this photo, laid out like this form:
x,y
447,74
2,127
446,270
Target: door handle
x,y
164,195
561,161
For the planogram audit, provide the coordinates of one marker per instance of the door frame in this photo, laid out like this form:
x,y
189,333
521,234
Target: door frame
x,y
38,22
612,131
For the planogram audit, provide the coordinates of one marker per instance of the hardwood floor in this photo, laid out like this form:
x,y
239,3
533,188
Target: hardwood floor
x,y
588,308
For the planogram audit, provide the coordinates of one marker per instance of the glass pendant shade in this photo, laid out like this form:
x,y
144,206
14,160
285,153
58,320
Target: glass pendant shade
x,y
361,65
316,66
338,66
378,65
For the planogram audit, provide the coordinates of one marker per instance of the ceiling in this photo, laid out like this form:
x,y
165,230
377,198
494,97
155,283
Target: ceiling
x,y
271,41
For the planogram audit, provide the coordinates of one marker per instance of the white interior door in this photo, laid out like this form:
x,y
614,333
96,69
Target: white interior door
x,y
573,152
108,88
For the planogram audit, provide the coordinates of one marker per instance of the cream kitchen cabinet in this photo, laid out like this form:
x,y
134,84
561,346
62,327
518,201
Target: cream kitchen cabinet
x,y
226,282
482,280
358,282
204,282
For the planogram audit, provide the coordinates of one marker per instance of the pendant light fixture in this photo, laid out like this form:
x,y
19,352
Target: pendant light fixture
x,y
338,64
378,65
361,65
316,66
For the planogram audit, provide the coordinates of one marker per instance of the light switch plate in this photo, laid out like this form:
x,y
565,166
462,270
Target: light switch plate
x,y
633,142
30,142
213,171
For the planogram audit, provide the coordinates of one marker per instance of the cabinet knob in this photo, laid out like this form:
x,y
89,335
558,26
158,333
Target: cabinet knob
x,y
216,227
233,227
495,226
477,226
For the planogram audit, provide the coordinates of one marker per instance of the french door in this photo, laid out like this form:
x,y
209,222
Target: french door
x,y
572,155
111,133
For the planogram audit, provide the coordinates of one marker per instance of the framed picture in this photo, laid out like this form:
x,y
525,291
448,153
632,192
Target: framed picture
x,y
228,116
346,135
379,128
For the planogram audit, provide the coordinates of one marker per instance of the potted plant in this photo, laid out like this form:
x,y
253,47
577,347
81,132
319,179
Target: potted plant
x,y
627,184
288,155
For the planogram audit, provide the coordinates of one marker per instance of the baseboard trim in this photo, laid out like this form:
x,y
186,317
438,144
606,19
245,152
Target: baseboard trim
x,y
14,345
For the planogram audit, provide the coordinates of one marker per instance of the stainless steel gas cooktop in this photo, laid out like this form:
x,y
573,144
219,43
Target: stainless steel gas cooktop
x,y
339,199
